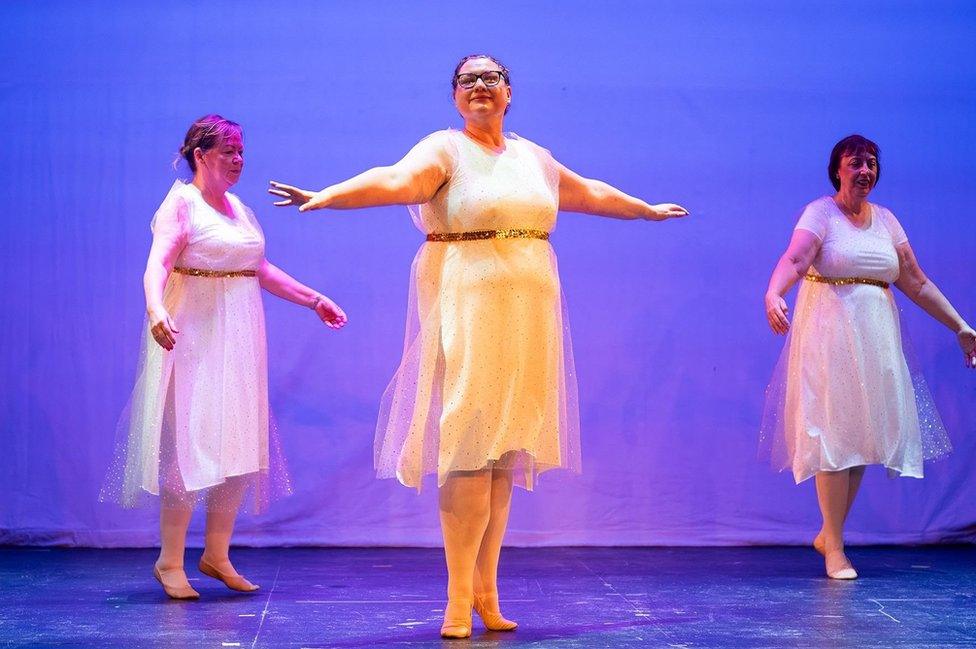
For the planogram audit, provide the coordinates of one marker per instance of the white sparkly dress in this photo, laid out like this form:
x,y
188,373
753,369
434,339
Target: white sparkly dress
x,y
198,415
486,379
843,394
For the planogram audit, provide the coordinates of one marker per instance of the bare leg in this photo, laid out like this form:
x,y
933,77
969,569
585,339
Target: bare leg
x,y
223,503
856,474
173,522
464,510
486,567
833,491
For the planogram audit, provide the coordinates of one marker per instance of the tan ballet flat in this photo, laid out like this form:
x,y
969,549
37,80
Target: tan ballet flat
x,y
234,582
457,619
486,606
841,568
175,592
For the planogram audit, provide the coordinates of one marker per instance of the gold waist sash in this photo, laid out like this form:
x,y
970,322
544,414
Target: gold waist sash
x,y
478,235
846,280
199,272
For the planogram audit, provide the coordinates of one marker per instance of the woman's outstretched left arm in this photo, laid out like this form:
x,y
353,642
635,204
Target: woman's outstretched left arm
x,y
278,282
578,194
923,292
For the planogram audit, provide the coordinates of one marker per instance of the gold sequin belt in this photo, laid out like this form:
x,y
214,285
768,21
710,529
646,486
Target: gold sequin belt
x,y
478,235
846,280
199,272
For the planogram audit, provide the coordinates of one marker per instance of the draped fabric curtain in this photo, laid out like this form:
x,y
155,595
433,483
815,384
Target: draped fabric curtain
x,y
728,108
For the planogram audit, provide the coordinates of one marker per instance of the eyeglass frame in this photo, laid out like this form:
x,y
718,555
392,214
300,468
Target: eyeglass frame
x,y
501,74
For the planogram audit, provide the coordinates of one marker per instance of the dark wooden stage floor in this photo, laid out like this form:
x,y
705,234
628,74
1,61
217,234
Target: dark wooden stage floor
x,y
563,597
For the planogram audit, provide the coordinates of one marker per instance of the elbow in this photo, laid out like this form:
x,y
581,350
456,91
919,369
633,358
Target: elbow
x,y
394,183
594,196
800,265
913,287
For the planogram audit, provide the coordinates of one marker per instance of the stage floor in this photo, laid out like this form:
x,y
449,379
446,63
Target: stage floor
x,y
563,597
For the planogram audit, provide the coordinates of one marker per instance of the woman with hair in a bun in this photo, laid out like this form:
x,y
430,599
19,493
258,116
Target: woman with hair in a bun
x,y
197,429
843,395
485,395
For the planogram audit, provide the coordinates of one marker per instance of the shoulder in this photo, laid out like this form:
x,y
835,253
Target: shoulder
x,y
529,144
439,144
178,199
815,216
891,223
241,207
442,139
882,211
823,204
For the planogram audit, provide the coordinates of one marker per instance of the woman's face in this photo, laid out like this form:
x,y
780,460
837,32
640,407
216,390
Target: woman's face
x,y
223,164
481,101
858,172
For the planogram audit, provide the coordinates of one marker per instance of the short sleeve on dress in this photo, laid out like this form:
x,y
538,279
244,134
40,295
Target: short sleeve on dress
x,y
814,219
171,220
897,232
445,139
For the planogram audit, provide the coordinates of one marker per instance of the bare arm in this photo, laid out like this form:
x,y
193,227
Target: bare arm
x,y
792,266
279,283
169,239
578,194
913,282
413,180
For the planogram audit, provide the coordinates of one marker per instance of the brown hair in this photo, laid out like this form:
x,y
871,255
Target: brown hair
x,y
852,145
206,133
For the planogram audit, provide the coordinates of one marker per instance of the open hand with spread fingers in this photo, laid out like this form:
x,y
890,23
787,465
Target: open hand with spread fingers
x,y
292,196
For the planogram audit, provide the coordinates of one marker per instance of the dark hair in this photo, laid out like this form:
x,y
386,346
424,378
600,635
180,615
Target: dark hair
x,y
206,133
852,145
469,57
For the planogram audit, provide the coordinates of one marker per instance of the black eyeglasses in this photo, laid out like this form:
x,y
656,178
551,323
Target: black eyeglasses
x,y
490,78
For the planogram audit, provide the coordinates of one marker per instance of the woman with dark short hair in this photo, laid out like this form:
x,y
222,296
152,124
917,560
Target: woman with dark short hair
x,y
843,395
485,395
197,426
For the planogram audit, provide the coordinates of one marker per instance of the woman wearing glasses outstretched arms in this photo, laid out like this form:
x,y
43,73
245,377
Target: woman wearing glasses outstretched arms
x,y
485,395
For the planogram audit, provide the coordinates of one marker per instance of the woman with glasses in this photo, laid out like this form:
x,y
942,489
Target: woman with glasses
x,y
485,395
197,427
843,395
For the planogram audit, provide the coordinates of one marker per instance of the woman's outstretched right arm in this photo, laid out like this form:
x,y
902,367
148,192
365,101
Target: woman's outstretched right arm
x,y
413,180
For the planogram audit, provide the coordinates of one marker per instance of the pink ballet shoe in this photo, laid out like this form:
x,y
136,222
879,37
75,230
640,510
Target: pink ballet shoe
x,y
838,566
457,619
176,588
486,606
234,582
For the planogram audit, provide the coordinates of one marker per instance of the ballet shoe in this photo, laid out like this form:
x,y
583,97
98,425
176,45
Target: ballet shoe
x,y
457,619
486,606
175,591
818,544
839,567
234,582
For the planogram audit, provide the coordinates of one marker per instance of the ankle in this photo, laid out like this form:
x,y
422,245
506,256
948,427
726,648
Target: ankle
x,y
167,563
215,559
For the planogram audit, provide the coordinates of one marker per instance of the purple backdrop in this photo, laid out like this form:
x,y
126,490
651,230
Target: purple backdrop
x,y
728,108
